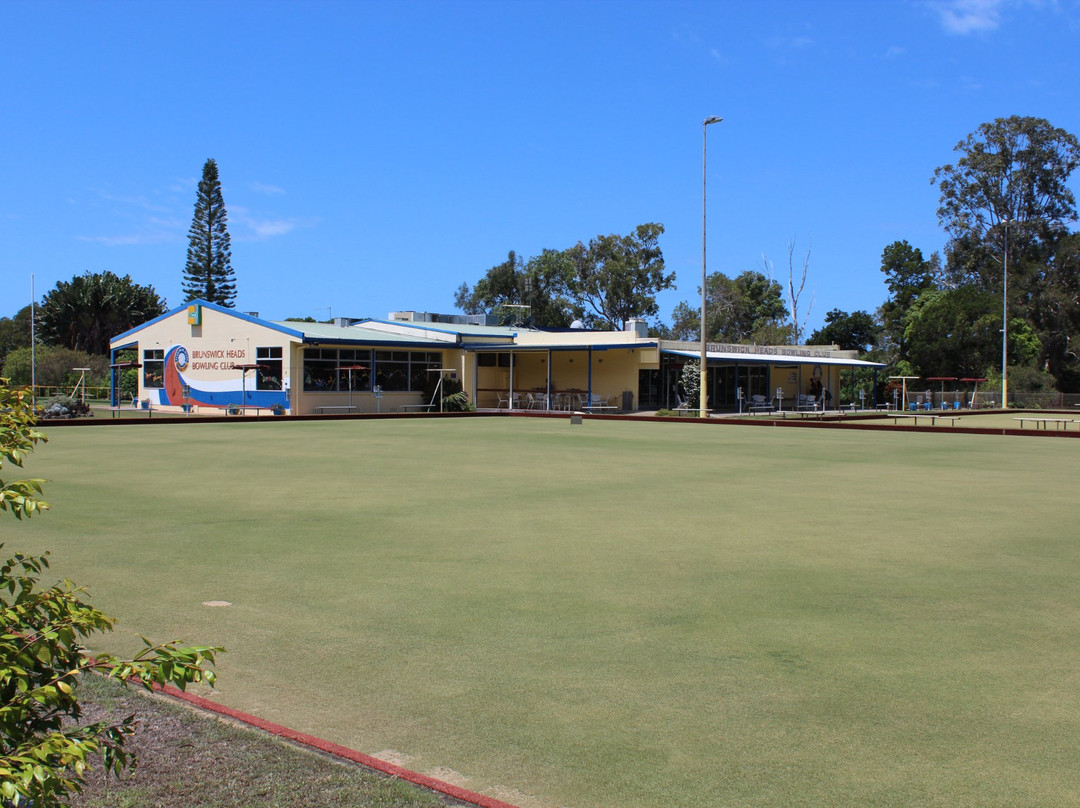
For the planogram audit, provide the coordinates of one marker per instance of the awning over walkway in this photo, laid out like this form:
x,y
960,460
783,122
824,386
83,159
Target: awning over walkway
x,y
776,356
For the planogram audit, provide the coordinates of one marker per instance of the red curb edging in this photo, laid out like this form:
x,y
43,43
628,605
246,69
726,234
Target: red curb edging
x,y
450,790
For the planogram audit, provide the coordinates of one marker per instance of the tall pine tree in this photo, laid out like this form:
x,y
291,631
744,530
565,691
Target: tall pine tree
x,y
209,273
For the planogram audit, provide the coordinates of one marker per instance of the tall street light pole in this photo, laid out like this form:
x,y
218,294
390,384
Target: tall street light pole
x,y
704,391
1005,321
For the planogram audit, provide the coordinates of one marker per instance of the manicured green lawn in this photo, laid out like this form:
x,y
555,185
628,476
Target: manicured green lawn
x,y
610,614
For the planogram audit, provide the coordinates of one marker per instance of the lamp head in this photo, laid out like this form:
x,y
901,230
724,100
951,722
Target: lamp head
x,y
712,119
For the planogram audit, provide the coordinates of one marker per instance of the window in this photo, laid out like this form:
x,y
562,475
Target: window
x,y
327,369
490,360
154,368
421,365
392,370
320,370
268,375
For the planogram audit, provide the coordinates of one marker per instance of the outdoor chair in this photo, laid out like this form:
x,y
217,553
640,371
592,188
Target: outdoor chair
x,y
758,403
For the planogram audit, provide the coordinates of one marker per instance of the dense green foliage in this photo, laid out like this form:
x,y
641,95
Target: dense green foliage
x,y
208,273
55,366
747,308
1004,203
44,747
604,283
83,314
857,331
14,332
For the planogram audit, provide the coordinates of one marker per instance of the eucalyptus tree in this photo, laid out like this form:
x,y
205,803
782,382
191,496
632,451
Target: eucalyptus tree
x,y
747,308
616,278
1007,202
604,283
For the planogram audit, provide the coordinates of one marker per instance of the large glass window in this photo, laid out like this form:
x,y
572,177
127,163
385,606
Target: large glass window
x,y
328,369
420,367
268,375
153,368
320,370
354,368
392,370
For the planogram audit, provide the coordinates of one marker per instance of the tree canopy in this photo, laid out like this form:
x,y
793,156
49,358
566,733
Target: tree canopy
x,y
14,332
747,308
208,273
604,283
1013,169
83,314
616,278
1007,203
856,331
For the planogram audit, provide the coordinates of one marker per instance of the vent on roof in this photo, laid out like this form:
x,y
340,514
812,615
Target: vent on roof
x,y
454,319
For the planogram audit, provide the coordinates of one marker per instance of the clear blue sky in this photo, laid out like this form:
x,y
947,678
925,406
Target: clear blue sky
x,y
375,155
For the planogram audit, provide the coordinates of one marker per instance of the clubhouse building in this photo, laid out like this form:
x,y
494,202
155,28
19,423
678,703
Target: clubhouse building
x,y
204,356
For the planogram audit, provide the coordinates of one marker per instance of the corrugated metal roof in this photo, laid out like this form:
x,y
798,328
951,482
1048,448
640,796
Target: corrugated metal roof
x,y
356,334
776,359
557,346
455,329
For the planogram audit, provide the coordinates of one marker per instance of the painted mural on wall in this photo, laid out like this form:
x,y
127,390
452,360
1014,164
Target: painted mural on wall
x,y
216,378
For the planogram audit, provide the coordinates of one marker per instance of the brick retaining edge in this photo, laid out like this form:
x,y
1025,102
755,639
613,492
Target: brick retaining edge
x,y
430,783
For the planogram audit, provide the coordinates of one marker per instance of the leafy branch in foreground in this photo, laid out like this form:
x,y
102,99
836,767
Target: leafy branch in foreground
x,y
17,439
44,750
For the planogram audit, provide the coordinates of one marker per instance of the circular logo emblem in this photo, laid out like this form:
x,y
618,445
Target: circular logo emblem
x,y
180,359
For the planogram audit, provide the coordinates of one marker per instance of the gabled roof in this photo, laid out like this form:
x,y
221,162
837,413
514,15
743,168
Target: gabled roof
x,y
356,334
213,307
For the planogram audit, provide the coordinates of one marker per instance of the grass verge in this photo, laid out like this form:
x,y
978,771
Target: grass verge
x,y
188,758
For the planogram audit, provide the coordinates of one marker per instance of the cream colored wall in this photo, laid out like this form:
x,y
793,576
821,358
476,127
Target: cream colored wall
x,y
573,338
779,377
613,371
213,347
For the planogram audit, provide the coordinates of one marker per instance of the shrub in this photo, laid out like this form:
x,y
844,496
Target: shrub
x,y
44,748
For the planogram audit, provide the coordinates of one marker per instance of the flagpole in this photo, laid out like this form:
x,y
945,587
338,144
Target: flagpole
x,y
33,347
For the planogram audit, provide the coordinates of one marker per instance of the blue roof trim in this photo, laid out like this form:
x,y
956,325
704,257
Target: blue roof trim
x,y
213,307
379,346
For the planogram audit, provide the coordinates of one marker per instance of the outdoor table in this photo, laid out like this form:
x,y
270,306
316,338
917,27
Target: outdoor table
x,y
416,407
334,407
